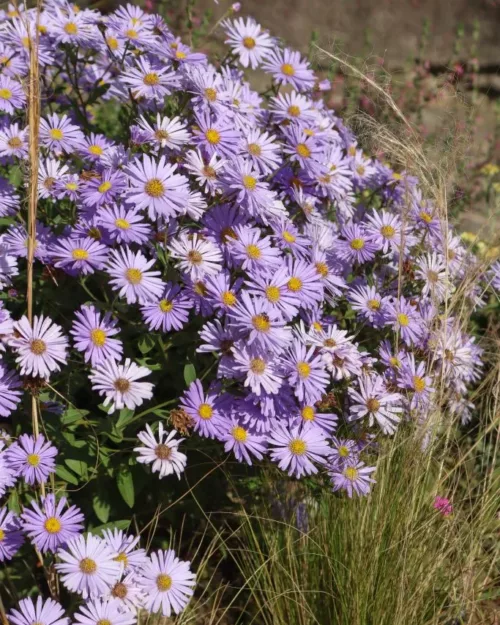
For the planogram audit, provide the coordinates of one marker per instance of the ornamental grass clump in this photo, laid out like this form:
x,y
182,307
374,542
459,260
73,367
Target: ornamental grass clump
x,y
183,257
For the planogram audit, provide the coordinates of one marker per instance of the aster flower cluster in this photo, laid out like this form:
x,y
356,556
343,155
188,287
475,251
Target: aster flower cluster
x,y
309,279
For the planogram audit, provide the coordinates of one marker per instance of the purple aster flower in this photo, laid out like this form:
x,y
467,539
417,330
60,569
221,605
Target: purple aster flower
x,y
124,225
216,136
40,347
88,566
431,269
59,134
343,449
204,409
301,147
207,171
13,142
352,476
273,287
305,372
162,452
94,147
43,612
220,291
207,87
108,611
171,312
70,186
287,236
374,401
304,282
72,27
255,319
105,189
386,231
292,107
150,80
243,185
77,256
50,526
357,246
10,395
132,278
155,185
119,384
404,318
253,252
125,546
32,458
248,41
166,133
261,149
328,272
11,95
242,442
49,172
261,370
197,256
310,417
11,536
16,238
288,68
91,334
296,449
167,583
413,377
7,475
368,303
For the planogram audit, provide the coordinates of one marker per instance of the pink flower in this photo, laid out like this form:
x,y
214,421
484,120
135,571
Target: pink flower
x,y
443,505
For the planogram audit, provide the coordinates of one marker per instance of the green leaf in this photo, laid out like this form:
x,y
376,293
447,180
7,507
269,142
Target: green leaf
x,y
13,502
66,475
189,374
73,414
125,484
78,466
146,343
124,419
122,524
101,508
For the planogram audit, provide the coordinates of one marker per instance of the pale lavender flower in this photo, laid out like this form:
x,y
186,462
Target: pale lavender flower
x,y
196,256
204,409
261,370
77,256
242,441
305,372
288,68
11,95
352,476
404,318
124,225
162,452
119,384
11,535
374,401
296,449
10,393
104,612
171,312
43,612
132,278
32,458
59,135
92,334
125,546
247,39
169,133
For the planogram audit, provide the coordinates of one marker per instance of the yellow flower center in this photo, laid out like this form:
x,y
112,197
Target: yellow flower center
x,y
166,305
303,369
294,284
308,413
351,473
56,134
163,582
373,404
387,231
211,94
403,320
71,28
96,150
194,257
88,566
103,621
261,323
105,186
162,135
294,110
425,217
122,385
288,69
154,187
38,347
253,252
303,150
209,172
229,298
14,143
254,149
79,254
322,269
33,460
205,411
163,452
297,447
249,182
240,435
273,294
72,186
134,276
151,79
180,55
112,43
2,535
257,365
249,43
212,136
98,337
360,169
123,224
357,244
52,525
418,383
394,361
343,451
373,304
289,237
